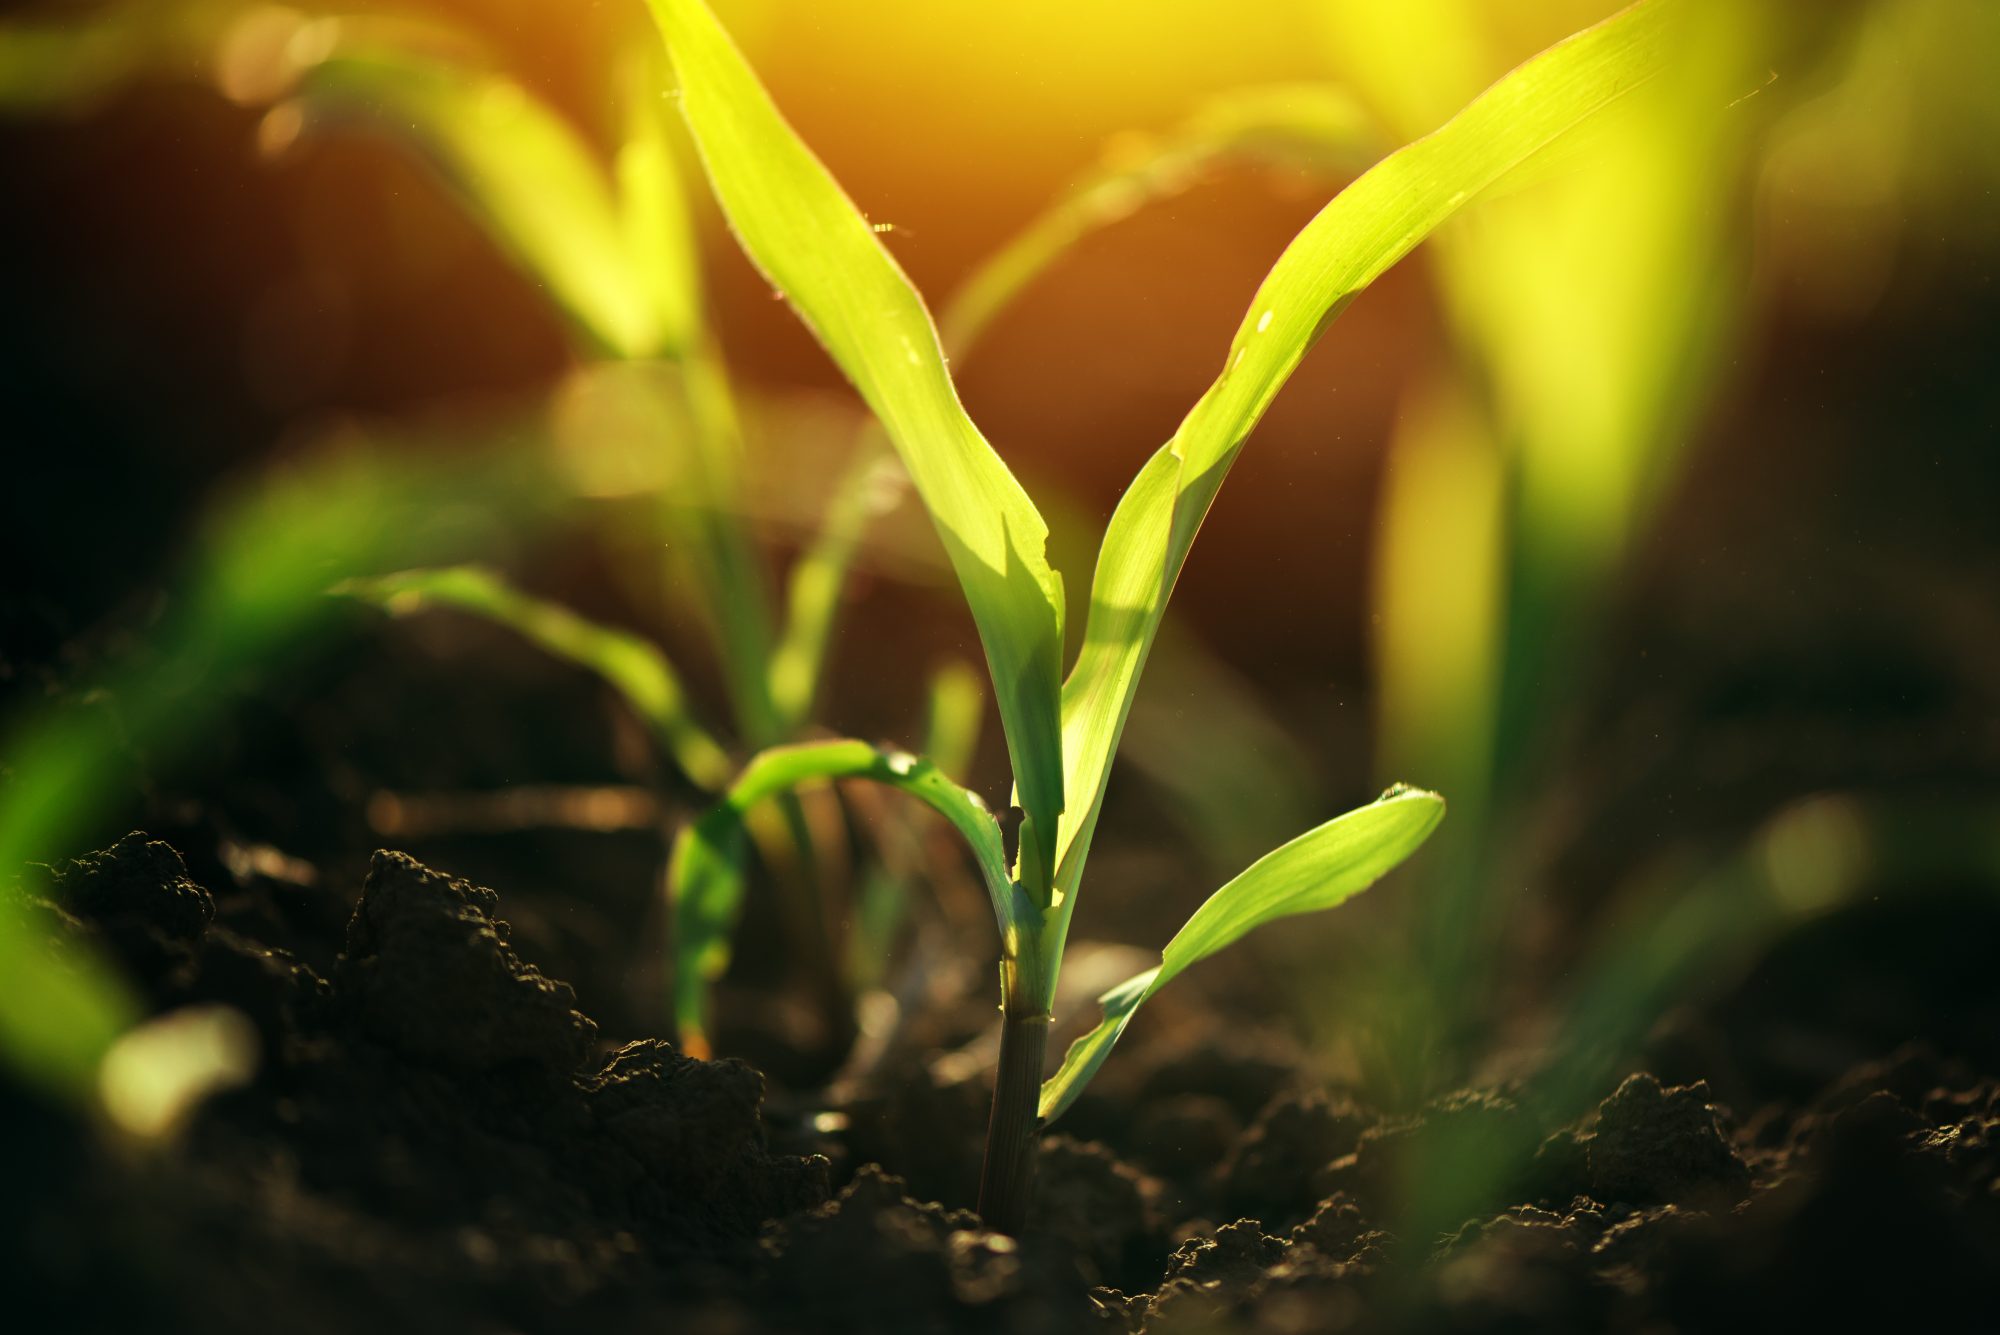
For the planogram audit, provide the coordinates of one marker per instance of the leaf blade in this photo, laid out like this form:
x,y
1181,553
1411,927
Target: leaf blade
x,y
870,487
1318,870
635,668
1369,226
802,231
534,184
1309,126
706,869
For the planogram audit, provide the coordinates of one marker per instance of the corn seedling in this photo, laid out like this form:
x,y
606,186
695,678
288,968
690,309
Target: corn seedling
x,y
612,246
797,225
615,251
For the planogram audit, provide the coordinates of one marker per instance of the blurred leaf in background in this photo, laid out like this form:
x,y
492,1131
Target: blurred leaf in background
x,y
612,243
252,601
65,60
1591,311
1597,315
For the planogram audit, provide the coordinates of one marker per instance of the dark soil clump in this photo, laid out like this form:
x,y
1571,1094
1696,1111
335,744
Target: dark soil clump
x,y
428,974
436,1120
438,1139
1658,1145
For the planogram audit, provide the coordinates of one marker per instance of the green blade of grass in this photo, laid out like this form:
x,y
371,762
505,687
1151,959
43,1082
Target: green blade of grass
x,y
649,185
534,184
1310,126
951,736
1370,225
660,239
58,1017
814,246
952,715
705,874
881,906
736,601
636,669
616,250
870,487
1315,871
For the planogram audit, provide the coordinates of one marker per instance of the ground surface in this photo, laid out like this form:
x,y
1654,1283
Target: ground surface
x,y
438,1140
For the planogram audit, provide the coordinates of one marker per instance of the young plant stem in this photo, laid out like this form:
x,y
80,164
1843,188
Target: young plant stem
x,y
783,834
815,941
1007,1177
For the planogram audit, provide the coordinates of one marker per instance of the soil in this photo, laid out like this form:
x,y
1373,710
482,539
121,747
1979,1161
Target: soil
x,y
438,1139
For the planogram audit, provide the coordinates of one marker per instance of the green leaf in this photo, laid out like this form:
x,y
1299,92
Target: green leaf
x,y
1308,126
616,249
636,668
870,487
534,183
705,873
814,246
952,715
665,257
731,575
58,1016
663,252
951,736
1317,870
1370,225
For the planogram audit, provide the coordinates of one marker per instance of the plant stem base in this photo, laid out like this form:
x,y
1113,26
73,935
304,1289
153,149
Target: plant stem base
x,y
1007,1177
